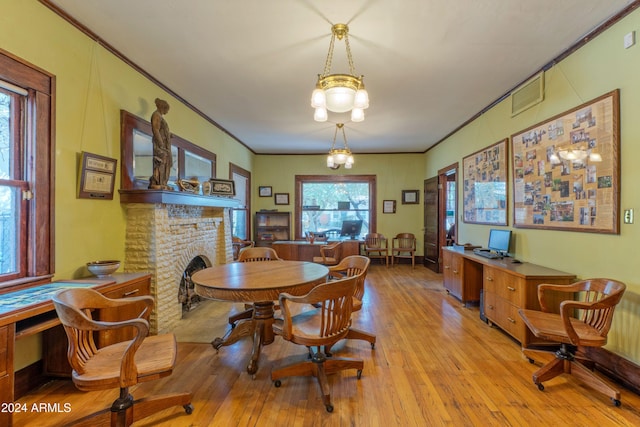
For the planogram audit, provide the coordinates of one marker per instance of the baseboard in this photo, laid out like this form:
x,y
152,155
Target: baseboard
x,y
615,366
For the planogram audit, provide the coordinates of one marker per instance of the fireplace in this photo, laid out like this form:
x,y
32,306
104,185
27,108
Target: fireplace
x,y
163,239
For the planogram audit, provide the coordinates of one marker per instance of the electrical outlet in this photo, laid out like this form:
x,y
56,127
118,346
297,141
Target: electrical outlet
x,y
628,216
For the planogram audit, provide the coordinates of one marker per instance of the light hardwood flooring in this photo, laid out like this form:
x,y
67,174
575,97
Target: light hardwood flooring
x,y
435,363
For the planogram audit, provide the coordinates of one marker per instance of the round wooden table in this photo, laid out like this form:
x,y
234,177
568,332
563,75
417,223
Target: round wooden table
x,y
260,283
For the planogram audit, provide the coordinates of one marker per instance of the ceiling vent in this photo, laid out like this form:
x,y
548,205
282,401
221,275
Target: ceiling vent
x,y
528,94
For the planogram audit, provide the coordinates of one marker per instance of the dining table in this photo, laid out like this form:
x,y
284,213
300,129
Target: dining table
x,y
259,283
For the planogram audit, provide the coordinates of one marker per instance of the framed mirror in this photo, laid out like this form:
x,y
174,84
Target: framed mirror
x,y
189,160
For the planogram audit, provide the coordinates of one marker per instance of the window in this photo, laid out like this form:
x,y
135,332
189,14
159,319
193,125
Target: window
x,y
26,173
240,224
324,202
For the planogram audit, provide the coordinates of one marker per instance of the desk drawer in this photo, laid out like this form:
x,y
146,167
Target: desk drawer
x,y
505,315
504,285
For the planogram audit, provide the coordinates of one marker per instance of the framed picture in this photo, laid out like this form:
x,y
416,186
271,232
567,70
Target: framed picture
x,y
388,206
282,198
264,191
485,185
566,170
222,187
97,177
410,197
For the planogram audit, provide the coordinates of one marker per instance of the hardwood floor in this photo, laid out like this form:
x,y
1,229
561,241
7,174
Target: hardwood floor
x,y
435,363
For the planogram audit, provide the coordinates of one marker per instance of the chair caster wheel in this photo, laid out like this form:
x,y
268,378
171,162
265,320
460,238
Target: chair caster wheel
x,y
359,375
188,408
531,360
373,346
540,387
616,402
329,408
277,383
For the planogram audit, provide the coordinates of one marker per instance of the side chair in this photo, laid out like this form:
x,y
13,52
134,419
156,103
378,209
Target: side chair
x,y
354,266
316,329
252,254
376,246
120,365
583,322
404,246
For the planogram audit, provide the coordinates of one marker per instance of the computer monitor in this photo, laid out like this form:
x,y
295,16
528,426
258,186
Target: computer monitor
x,y
351,228
499,240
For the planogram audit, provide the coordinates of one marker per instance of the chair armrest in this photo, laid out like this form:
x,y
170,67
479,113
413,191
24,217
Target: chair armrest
x,y
568,308
546,287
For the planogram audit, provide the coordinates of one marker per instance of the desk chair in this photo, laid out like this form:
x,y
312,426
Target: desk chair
x,y
354,266
404,246
584,321
238,244
318,328
252,254
329,254
124,364
376,246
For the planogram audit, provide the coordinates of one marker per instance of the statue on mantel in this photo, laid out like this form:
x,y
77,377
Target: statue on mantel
x,y
162,159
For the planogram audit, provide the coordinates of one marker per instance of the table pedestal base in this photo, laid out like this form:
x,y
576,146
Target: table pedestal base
x,y
259,327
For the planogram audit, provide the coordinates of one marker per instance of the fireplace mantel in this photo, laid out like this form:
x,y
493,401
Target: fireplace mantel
x,y
175,198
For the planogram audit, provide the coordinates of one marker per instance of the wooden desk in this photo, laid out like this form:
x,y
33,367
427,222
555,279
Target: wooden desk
x,y
506,287
260,283
30,311
301,250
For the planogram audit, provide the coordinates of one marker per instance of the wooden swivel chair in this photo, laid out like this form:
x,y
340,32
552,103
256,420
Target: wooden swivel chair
x,y
238,244
329,254
124,364
354,266
252,254
404,246
318,328
376,246
584,321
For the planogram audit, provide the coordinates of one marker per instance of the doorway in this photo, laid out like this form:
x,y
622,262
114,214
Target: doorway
x,y
440,213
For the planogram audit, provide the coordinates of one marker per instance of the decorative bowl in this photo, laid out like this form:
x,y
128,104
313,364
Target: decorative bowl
x,y
103,268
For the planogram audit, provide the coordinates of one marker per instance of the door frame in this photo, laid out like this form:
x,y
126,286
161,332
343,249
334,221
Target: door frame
x,y
444,175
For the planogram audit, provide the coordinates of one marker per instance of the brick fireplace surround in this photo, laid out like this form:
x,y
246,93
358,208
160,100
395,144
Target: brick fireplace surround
x,y
162,239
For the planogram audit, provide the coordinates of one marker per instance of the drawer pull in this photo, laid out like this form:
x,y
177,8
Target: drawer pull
x,y
455,271
489,279
446,267
511,320
511,288
132,292
490,307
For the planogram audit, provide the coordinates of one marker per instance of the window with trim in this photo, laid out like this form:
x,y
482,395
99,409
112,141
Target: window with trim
x,y
240,224
26,174
325,202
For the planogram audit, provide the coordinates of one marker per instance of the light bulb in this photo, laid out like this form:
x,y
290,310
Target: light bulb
x,y
357,115
320,115
361,99
318,99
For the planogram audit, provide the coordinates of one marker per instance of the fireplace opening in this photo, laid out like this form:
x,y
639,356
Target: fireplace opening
x,y
186,293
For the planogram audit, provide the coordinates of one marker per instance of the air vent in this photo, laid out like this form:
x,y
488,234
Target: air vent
x,y
527,95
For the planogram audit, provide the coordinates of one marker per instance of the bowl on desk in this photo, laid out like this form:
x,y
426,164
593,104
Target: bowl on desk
x,y
103,268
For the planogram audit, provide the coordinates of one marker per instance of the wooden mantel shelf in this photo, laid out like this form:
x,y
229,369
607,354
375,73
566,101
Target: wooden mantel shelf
x,y
175,198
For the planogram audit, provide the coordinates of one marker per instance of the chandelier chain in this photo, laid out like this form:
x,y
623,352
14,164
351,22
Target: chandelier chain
x,y
327,64
352,68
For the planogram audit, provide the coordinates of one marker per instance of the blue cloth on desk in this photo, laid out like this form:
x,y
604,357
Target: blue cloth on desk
x,y
20,299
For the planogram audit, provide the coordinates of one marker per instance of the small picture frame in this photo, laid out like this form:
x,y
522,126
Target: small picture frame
x,y
222,187
97,177
281,198
388,206
264,191
410,197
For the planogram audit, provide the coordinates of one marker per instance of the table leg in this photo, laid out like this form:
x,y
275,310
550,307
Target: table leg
x,y
260,327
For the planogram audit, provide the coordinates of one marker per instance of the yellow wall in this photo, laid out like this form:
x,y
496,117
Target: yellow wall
x,y
597,68
92,86
394,173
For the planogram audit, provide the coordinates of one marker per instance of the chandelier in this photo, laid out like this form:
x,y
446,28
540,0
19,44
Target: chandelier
x,y
339,156
339,93
574,154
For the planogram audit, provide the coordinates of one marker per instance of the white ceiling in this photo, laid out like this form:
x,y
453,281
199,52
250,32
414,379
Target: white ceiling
x,y
429,65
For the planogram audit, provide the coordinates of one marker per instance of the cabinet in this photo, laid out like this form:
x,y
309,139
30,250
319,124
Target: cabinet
x,y
461,278
506,287
505,292
271,226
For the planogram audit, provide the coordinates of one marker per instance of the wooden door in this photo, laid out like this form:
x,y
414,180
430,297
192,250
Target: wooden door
x,y
431,225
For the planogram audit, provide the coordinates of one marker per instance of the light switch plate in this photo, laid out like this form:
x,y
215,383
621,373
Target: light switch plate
x,y
628,216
